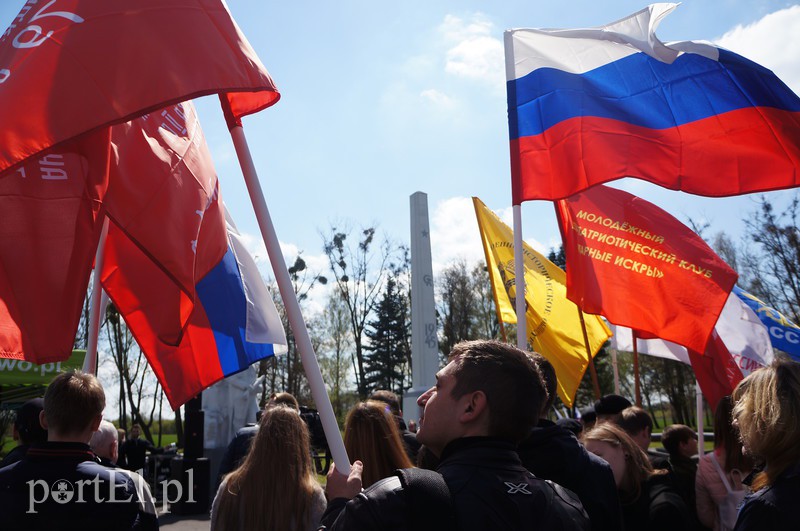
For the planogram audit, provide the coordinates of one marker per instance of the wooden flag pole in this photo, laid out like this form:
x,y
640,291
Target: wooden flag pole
x,y
636,370
309,359
519,281
97,303
616,370
592,370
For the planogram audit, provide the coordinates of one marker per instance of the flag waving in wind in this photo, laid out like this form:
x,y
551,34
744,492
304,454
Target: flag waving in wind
x,y
587,106
72,66
553,321
639,267
74,74
184,283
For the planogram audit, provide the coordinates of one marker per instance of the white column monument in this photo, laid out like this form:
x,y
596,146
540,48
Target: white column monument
x,y
424,341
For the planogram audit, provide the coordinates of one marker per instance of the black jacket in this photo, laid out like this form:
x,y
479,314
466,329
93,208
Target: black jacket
x,y
773,507
658,508
489,489
63,486
552,452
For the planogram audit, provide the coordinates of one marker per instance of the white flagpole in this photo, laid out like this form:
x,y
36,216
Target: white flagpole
x,y
700,420
309,359
519,280
97,304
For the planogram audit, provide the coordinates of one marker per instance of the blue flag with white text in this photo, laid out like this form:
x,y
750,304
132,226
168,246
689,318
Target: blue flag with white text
x,y
784,334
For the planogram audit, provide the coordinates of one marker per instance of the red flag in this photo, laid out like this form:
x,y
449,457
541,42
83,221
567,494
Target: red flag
x,y
638,266
48,232
167,265
73,66
716,371
162,193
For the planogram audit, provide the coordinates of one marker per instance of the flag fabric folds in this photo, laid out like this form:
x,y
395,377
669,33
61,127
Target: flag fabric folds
x,y
715,370
48,233
183,282
639,267
554,328
233,322
132,56
743,334
783,333
587,106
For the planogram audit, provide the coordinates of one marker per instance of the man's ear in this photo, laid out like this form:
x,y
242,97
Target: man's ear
x,y
96,422
42,420
473,407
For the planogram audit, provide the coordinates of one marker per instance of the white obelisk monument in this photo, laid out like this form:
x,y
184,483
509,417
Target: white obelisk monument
x,y
424,341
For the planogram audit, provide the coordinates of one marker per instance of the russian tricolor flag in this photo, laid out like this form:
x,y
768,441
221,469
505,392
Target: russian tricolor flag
x,y
587,106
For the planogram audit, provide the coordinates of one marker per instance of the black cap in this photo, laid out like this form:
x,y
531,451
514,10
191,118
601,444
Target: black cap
x,y
611,405
27,422
588,415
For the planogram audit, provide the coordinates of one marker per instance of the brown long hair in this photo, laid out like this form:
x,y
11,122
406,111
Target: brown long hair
x,y
637,466
767,409
371,436
726,438
274,485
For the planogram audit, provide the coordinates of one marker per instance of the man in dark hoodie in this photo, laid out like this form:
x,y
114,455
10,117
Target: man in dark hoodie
x,y
552,452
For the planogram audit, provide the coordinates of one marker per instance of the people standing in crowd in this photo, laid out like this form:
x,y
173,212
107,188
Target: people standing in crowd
x,y
412,427
136,449
409,438
27,430
237,448
371,436
638,424
718,486
767,412
648,499
486,400
552,452
275,487
60,482
104,443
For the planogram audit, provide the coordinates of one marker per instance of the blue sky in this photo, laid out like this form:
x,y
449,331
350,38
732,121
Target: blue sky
x,y
380,100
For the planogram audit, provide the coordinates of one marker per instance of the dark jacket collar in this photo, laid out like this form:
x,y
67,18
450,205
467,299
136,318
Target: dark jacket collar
x,y
464,444
60,450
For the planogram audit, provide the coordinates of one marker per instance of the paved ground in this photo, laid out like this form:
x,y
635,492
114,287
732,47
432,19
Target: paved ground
x,y
175,522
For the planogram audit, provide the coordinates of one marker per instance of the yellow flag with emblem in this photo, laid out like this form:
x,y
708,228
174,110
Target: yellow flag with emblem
x,y
554,327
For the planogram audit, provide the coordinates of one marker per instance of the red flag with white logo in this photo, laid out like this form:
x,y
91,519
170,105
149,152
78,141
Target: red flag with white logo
x,y
72,66
48,233
638,266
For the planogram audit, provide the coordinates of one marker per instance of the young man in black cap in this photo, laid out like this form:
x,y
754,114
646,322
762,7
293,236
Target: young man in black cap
x,y
27,430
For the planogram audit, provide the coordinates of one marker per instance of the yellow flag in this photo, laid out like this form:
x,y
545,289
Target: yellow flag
x,y
554,327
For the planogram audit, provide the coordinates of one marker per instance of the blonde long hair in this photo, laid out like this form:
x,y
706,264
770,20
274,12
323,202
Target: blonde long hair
x,y
274,485
637,466
767,410
371,436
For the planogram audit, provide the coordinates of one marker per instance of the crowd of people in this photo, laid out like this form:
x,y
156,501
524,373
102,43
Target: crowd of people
x,y
484,456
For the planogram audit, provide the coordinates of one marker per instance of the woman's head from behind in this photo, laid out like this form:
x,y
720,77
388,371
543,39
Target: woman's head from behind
x,y
279,451
767,413
628,462
371,436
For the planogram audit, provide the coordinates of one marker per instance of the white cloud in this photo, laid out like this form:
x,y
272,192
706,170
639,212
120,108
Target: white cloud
x,y
437,98
473,52
771,42
454,233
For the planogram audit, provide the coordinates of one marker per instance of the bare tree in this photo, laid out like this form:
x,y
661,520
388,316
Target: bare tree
x,y
359,271
336,347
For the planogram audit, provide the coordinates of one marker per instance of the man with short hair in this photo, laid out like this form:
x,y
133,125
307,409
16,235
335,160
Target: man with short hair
x,y
135,450
486,400
609,407
393,403
61,482
680,441
553,452
638,424
104,444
